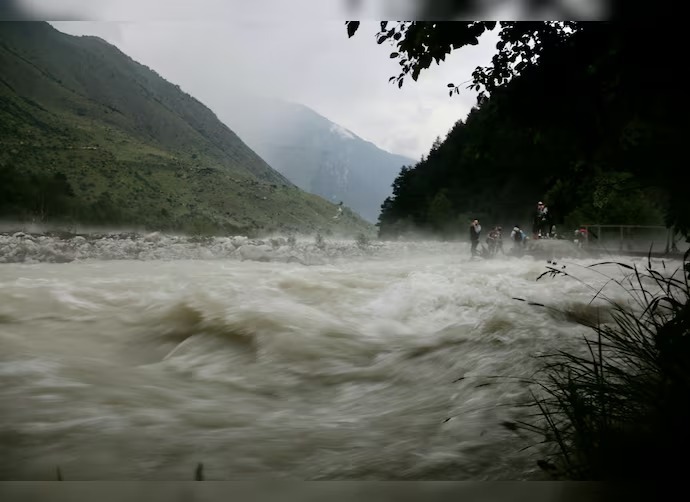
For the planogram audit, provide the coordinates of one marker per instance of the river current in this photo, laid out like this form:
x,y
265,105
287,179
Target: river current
x,y
375,362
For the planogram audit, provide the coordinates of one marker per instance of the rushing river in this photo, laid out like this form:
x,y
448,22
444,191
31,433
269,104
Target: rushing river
x,y
348,369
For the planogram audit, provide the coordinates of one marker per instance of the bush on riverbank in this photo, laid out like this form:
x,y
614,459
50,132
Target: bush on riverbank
x,y
621,411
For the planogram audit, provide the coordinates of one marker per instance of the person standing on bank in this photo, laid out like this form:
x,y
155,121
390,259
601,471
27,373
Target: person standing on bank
x,y
541,226
475,230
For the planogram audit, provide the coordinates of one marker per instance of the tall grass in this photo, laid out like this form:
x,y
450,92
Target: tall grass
x,y
620,409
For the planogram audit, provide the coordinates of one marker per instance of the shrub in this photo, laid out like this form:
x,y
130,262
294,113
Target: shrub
x,y
620,410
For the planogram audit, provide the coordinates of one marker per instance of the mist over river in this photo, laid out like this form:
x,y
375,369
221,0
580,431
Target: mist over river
x,y
137,363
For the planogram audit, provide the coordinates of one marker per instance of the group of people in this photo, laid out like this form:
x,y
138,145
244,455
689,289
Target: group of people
x,y
494,241
541,229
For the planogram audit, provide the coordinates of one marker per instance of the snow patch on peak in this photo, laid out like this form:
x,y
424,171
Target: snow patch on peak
x,y
341,131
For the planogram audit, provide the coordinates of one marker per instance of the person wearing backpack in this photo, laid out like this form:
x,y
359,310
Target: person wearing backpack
x,y
518,237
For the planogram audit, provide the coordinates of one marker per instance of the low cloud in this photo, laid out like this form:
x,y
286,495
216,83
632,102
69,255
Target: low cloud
x,y
307,62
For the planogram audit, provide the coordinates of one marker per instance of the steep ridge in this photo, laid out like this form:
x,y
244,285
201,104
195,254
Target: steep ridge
x,y
129,147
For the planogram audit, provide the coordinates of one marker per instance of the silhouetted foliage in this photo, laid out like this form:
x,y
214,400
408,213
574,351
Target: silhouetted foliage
x,y
581,115
618,410
419,43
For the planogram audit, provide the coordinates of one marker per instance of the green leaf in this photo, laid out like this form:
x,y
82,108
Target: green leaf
x,y
451,85
394,55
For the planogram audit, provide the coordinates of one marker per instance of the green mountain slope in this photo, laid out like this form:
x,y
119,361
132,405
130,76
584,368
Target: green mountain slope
x,y
120,145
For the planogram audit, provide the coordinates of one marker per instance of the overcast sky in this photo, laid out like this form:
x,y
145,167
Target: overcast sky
x,y
295,56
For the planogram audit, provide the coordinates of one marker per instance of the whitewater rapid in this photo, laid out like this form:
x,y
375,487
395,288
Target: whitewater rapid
x,y
370,365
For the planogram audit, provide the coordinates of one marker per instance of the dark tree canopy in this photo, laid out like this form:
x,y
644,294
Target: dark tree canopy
x,y
585,114
418,44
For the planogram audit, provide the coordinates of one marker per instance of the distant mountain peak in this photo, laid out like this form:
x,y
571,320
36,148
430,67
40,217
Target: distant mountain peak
x,y
344,133
316,154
